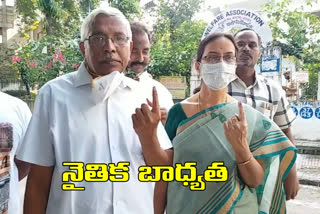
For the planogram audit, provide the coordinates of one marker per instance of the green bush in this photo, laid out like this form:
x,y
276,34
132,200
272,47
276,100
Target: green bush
x,y
41,61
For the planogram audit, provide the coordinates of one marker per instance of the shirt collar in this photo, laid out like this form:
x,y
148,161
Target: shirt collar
x,y
128,82
82,76
259,80
144,74
256,82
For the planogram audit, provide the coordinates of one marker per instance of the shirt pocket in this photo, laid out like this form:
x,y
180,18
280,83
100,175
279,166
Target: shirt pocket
x,y
267,109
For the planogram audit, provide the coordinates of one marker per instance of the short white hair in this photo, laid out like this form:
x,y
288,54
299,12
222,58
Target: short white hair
x,y
87,25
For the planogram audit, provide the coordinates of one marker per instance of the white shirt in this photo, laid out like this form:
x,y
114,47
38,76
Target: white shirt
x,y
68,126
266,96
14,119
164,96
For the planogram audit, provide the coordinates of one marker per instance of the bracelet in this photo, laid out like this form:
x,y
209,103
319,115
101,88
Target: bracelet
x,y
245,162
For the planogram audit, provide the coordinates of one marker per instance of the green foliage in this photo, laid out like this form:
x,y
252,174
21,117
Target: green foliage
x,y
300,26
173,13
87,6
174,56
130,8
27,9
176,38
41,61
310,89
60,17
298,37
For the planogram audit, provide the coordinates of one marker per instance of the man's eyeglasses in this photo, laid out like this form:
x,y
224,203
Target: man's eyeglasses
x,y
213,59
101,40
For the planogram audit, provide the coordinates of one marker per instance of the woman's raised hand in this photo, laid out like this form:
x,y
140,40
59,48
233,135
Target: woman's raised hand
x,y
236,128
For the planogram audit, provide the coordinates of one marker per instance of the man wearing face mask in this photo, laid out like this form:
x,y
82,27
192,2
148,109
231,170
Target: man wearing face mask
x,y
263,94
139,60
86,117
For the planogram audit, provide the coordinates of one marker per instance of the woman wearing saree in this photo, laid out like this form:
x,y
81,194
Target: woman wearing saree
x,y
211,126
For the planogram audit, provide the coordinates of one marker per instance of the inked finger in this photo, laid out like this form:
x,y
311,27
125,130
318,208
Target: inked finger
x,y
155,101
242,116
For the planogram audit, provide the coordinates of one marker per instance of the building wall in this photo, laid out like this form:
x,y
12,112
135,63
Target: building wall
x,y
7,86
307,123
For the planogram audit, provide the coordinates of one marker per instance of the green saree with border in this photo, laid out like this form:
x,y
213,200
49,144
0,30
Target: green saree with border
x,y
201,139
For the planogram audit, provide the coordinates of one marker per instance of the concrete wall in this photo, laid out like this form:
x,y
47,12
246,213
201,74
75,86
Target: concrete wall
x,y
13,85
307,124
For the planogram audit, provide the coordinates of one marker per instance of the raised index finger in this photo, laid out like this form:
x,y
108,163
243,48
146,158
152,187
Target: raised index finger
x,y
242,115
155,101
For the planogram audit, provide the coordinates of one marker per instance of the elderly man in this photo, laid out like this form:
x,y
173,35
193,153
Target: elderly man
x,y
261,93
86,117
139,60
14,119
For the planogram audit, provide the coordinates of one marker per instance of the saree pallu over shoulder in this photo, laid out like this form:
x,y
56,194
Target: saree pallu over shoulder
x,y
201,139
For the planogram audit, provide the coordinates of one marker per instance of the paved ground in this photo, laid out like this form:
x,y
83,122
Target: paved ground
x,y
307,201
308,165
309,169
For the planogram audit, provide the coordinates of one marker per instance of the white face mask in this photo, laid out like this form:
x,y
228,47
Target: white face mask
x,y
104,86
218,76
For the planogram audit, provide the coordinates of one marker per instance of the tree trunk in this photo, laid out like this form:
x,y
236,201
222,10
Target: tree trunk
x,y
50,25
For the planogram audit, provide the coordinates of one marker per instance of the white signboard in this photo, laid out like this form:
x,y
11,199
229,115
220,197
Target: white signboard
x,y
239,18
270,64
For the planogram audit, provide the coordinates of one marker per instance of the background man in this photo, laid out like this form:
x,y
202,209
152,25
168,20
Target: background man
x,y
14,119
86,116
261,93
139,60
